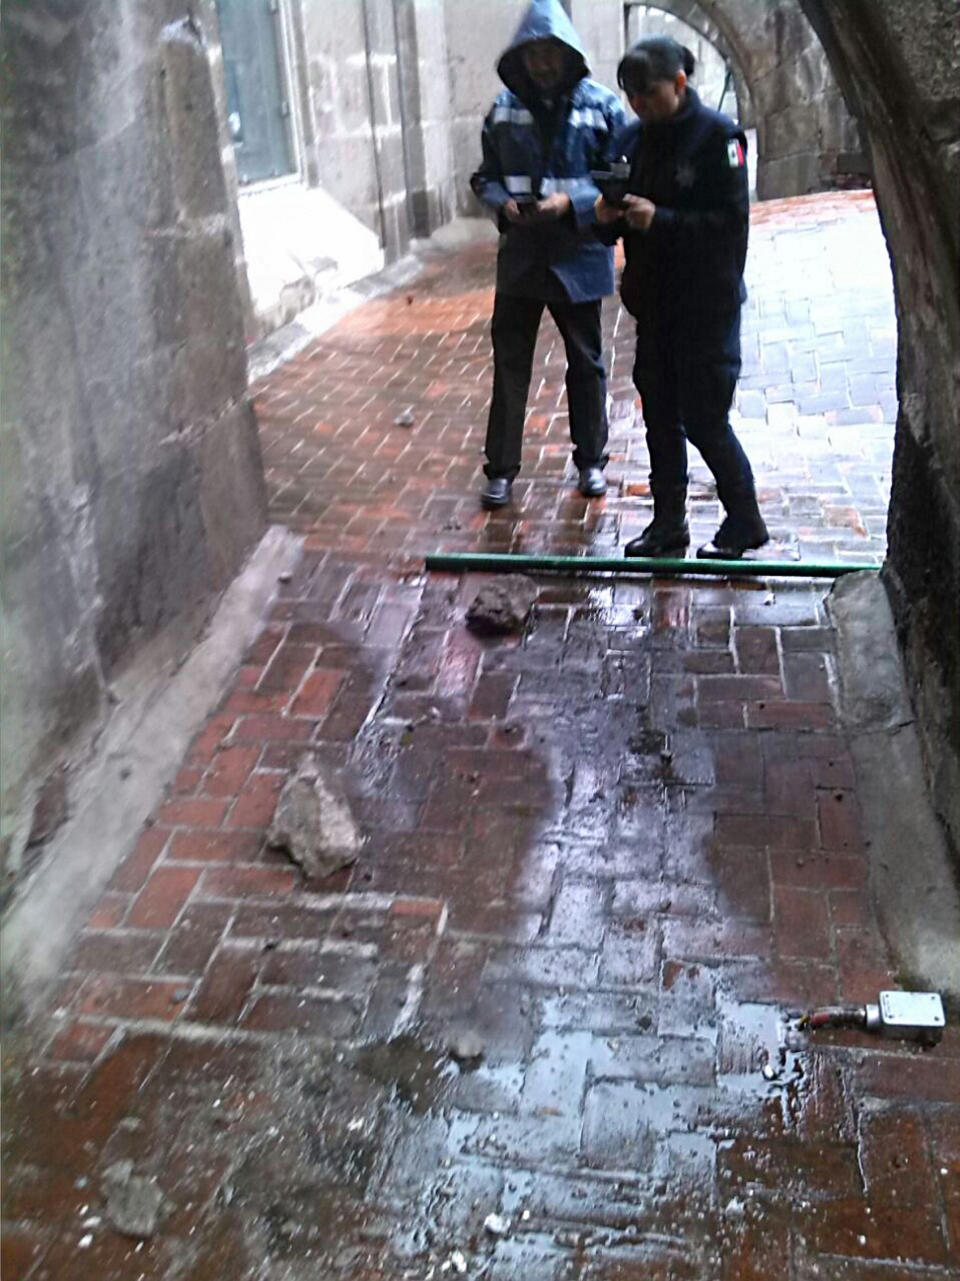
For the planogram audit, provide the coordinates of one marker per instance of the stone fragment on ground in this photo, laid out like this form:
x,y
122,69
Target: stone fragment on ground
x,y
503,606
314,823
134,1203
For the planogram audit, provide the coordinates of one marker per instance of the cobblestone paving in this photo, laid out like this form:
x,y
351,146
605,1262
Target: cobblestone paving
x,y
615,852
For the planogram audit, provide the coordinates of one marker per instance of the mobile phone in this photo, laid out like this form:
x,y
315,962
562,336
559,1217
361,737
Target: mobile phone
x,y
612,186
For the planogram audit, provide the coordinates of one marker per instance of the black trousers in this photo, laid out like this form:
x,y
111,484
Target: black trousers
x,y
686,372
515,325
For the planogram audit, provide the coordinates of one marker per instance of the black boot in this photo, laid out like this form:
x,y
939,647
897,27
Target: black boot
x,y
742,530
668,534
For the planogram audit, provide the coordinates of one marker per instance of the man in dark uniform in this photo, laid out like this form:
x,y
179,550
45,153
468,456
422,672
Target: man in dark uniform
x,y
685,228
546,131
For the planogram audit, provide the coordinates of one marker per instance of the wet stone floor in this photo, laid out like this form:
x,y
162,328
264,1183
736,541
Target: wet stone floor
x,y
542,1030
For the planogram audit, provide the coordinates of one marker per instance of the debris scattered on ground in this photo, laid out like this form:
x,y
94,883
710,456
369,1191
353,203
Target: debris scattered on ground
x,y
313,823
465,1046
503,606
496,1225
404,418
457,1261
285,576
134,1202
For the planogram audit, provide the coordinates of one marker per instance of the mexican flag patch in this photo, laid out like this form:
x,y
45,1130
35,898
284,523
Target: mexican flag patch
x,y
735,154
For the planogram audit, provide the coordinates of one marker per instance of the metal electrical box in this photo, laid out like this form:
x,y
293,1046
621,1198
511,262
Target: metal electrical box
x,y
911,1016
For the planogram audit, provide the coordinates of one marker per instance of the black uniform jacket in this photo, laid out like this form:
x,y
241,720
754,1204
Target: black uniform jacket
x,y
694,169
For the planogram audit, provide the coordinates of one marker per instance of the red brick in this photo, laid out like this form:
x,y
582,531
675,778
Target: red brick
x,y
852,907
909,1075
788,789
287,668
208,740
346,720
757,650
815,1170
491,696
187,781
737,689
200,812
784,715
840,822
247,882
20,1247
815,870
305,1015
121,951
316,695
431,908
194,939
845,1228
110,911
263,729
132,873
225,987
255,805
80,1042
160,901
229,771
863,964
262,650
894,1156
130,998
248,702
751,831
214,847
801,922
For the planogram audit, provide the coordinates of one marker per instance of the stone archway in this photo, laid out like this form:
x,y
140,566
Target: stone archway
x,y
691,13
806,138
897,63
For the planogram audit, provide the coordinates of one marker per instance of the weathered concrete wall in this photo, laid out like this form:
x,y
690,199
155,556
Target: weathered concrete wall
x,y
132,480
898,61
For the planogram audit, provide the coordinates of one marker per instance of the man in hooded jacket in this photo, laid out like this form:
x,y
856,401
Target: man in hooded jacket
x,y
549,127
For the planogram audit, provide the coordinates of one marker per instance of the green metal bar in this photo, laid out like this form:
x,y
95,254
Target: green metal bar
x,y
661,567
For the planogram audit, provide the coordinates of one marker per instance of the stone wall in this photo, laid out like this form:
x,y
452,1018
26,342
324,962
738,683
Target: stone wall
x,y
898,62
376,106
131,472
807,140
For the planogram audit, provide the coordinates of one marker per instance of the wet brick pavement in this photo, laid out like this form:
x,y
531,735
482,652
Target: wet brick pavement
x,y
618,851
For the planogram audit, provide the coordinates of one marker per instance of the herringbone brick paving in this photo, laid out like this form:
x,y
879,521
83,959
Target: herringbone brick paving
x,y
617,851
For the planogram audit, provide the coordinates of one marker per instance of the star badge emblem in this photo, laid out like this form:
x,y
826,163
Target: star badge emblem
x,y
685,175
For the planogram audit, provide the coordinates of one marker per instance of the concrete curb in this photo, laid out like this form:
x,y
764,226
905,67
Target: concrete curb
x,y
138,753
911,876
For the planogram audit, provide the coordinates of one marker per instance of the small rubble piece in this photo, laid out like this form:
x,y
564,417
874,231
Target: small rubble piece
x,y
497,1225
503,606
457,1262
404,418
313,822
134,1203
465,1047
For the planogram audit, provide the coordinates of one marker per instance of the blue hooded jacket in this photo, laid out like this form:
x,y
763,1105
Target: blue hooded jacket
x,y
519,160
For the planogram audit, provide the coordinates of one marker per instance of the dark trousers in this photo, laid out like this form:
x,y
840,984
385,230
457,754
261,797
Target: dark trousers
x,y
686,372
515,325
